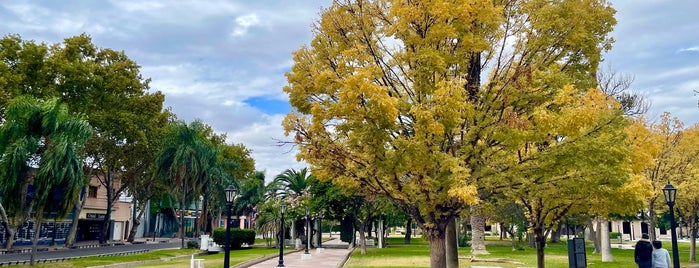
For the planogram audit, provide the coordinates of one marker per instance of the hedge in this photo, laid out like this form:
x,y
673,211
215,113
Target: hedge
x,y
238,237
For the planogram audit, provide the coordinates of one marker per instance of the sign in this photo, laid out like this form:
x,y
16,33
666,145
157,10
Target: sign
x,y
188,214
95,216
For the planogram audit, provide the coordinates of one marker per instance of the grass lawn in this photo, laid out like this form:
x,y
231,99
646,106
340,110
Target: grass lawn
x,y
501,255
162,257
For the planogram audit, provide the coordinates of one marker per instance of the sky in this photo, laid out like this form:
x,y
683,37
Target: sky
x,y
223,61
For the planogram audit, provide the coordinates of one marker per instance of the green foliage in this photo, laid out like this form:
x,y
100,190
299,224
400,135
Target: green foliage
x,y
192,244
238,237
614,235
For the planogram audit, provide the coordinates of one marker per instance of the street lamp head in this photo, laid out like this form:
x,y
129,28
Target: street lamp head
x,y
282,207
230,194
670,193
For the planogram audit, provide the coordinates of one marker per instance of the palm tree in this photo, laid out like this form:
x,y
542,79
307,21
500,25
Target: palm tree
x,y
183,160
42,136
292,182
290,185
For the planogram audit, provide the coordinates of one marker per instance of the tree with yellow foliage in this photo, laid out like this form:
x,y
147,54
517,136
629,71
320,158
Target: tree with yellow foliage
x,y
424,102
687,183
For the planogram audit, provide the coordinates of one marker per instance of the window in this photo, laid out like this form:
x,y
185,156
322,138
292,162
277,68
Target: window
x,y
92,192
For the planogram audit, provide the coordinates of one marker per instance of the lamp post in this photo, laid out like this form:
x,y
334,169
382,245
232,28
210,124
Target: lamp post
x,y
670,193
308,230
282,209
230,197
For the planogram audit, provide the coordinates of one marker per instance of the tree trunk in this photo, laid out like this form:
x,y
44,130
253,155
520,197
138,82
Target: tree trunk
x,y
408,230
182,208
10,232
70,239
136,222
205,212
605,244
540,241
362,238
451,245
651,220
437,246
107,218
477,233
9,228
593,235
37,231
556,235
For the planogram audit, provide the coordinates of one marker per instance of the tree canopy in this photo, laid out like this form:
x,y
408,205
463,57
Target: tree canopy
x,y
426,102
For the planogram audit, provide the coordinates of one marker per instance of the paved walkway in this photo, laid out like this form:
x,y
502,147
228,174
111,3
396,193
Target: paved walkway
x,y
332,256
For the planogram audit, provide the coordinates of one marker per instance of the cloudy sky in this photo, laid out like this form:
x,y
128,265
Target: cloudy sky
x,y
224,61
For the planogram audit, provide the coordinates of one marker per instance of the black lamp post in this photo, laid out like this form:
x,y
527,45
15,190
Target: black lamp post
x,y
670,195
308,230
282,209
230,197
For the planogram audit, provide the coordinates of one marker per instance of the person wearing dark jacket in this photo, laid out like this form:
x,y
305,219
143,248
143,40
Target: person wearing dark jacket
x,y
643,252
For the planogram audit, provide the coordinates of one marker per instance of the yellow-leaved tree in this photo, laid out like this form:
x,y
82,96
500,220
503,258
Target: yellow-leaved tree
x,y
687,184
418,101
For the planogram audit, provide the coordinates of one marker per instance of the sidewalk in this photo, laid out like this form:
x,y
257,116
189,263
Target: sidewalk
x,y
334,256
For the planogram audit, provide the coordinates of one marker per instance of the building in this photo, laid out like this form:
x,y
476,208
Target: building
x,y
92,215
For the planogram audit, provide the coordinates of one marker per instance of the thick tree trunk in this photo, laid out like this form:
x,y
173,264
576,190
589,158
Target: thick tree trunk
x,y
556,235
477,233
408,230
451,245
540,241
593,235
205,212
604,241
437,247
70,239
362,238
651,220
104,233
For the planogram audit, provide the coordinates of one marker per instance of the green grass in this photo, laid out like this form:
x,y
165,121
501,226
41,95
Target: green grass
x,y
162,258
501,255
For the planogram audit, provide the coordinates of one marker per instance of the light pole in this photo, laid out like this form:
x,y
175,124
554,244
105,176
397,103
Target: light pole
x,y
282,208
308,230
670,193
230,197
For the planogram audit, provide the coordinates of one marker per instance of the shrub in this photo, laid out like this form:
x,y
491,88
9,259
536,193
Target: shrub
x,y
238,237
614,235
192,244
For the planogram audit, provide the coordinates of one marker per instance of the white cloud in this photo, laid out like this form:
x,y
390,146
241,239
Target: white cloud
x,y
243,23
689,49
263,138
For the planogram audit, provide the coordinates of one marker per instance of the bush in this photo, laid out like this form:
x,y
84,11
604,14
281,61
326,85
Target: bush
x,y
614,235
238,237
192,244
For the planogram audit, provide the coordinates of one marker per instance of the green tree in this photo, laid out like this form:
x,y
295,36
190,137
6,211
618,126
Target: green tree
x,y
40,135
104,85
183,159
417,100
